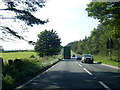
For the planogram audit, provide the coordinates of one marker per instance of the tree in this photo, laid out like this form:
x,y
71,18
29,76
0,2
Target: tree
x,y
22,11
104,11
48,43
97,43
108,13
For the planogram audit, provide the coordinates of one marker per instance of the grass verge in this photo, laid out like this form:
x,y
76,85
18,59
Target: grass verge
x,y
106,60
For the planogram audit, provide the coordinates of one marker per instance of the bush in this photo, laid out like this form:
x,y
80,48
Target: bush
x,y
7,80
32,56
24,69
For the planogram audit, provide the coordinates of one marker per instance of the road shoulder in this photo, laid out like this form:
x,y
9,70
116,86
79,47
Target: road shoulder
x,y
115,67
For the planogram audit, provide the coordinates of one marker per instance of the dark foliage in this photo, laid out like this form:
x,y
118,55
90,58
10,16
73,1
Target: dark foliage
x,y
23,14
48,43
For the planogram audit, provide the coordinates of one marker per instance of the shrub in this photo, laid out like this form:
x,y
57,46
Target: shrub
x,y
32,56
24,68
7,80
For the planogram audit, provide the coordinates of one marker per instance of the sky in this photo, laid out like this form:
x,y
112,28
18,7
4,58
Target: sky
x,y
67,17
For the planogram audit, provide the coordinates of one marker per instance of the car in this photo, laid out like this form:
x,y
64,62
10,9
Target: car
x,y
78,57
87,58
73,55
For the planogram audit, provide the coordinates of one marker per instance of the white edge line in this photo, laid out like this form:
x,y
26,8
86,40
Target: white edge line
x,y
105,86
35,77
115,67
87,71
27,82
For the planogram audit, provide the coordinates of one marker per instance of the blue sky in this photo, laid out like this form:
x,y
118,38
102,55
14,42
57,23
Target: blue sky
x,y
68,17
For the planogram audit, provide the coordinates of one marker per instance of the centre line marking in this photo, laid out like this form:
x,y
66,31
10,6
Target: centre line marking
x,y
105,86
87,71
77,62
80,65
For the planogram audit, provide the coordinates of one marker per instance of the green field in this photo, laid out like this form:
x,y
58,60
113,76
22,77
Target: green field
x,y
19,55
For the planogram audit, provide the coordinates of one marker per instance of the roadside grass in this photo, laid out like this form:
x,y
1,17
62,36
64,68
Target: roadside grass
x,y
106,60
27,67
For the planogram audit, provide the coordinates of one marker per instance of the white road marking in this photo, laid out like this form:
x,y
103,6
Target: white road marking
x,y
80,65
87,71
115,67
84,69
105,86
35,77
77,62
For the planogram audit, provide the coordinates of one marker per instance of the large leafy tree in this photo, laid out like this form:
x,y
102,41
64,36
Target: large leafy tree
x,y
19,11
108,13
104,11
48,43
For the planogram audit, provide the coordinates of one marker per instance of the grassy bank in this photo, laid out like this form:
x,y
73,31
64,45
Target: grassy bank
x,y
106,60
26,67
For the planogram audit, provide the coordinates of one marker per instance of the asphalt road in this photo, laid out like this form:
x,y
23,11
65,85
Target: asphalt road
x,y
71,73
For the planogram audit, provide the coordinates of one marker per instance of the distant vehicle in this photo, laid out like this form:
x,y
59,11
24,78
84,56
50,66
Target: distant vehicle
x,y
78,57
87,58
67,52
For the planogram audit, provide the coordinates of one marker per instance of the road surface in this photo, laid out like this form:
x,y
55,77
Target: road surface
x,y
71,73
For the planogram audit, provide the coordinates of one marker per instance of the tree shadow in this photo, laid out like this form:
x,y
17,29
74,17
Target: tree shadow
x,y
72,80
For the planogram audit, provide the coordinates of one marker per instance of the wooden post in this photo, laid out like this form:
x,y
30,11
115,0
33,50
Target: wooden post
x,y
1,62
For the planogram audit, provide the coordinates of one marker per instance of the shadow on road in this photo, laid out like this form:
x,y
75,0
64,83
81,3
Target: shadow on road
x,y
68,75
65,79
